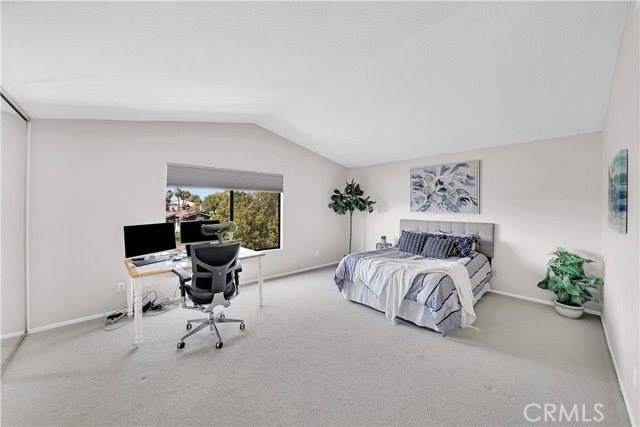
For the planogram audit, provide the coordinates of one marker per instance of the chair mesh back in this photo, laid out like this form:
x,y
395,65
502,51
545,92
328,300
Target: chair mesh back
x,y
212,265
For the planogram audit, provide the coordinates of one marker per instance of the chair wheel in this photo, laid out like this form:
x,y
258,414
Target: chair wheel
x,y
181,344
189,326
242,326
218,344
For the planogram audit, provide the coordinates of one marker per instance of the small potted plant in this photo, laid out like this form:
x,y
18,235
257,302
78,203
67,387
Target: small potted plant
x,y
566,278
383,240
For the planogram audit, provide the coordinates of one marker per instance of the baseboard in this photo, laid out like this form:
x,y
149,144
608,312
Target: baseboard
x,y
12,335
539,301
65,323
615,368
291,273
97,316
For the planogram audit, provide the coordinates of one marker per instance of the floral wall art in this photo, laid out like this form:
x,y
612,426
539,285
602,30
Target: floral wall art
x,y
618,192
449,188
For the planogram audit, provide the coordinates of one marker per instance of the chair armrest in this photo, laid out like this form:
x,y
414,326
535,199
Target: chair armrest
x,y
183,277
182,274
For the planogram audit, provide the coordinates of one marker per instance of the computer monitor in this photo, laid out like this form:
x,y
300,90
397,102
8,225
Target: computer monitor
x,y
190,231
148,239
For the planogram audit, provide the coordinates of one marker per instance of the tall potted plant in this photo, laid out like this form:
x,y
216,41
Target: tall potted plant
x,y
566,278
349,200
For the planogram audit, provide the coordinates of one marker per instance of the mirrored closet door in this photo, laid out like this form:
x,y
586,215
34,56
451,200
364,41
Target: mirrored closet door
x,y
13,195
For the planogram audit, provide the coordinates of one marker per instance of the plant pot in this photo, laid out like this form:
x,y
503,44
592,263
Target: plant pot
x,y
569,311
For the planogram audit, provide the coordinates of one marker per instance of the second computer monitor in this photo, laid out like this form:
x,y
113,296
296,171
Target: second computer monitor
x,y
190,231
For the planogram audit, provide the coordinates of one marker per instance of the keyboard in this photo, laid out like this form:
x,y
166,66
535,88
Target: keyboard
x,y
147,261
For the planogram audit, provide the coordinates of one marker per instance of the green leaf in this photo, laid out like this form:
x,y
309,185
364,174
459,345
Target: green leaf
x,y
596,281
544,284
564,297
571,269
573,290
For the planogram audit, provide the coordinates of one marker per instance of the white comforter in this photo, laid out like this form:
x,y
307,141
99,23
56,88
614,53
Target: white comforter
x,y
392,278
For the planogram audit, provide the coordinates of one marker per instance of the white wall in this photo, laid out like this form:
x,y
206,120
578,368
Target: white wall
x,y
109,174
13,155
621,251
540,195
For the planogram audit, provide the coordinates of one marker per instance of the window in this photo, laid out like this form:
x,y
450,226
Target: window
x,y
252,200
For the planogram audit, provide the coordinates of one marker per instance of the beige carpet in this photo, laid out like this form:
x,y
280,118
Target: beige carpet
x,y
308,357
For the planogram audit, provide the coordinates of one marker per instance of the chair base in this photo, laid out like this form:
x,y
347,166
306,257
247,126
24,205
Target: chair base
x,y
211,322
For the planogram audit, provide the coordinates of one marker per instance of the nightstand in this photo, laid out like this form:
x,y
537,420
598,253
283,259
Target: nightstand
x,y
383,246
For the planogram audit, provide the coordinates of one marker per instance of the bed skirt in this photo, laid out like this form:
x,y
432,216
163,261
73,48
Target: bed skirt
x,y
411,311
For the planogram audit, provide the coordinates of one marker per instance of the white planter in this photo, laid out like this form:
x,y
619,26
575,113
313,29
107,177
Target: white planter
x,y
568,311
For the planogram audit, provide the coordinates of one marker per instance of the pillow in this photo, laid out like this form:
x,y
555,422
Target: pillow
x,y
411,241
437,235
437,247
443,235
461,246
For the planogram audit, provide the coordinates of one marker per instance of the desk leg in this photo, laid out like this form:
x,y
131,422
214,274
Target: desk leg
x,y
137,309
260,280
130,286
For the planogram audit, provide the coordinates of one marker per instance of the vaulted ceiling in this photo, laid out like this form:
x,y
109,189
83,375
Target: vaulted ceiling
x,y
357,82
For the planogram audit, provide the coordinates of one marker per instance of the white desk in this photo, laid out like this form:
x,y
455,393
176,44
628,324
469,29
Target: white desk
x,y
162,270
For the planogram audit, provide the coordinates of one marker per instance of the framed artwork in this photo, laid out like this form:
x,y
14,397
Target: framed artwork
x,y
449,188
618,192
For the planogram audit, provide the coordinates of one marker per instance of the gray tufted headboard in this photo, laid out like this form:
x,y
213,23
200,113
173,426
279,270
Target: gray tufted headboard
x,y
484,231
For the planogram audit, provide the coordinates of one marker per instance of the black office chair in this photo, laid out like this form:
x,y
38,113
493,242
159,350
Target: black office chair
x,y
214,282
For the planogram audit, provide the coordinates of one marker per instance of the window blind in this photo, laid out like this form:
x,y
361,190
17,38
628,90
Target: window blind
x,y
188,176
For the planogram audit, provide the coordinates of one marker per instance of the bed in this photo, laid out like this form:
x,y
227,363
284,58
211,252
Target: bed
x,y
433,293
